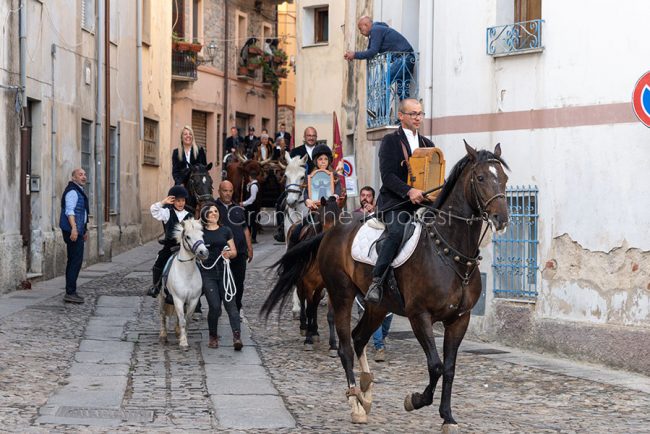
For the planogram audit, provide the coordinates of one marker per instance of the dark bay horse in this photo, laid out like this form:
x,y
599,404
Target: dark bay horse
x,y
237,172
310,287
440,282
198,183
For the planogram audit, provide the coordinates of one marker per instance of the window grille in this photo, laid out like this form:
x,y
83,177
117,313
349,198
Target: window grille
x,y
114,171
88,14
86,158
150,141
515,252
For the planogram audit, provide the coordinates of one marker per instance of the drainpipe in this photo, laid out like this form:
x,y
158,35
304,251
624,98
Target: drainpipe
x,y
225,84
275,108
138,20
107,108
433,13
23,52
99,150
25,137
53,143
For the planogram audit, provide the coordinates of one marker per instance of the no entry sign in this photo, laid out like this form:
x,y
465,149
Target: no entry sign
x,y
641,99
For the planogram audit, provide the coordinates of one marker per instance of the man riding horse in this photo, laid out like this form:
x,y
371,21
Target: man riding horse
x,y
394,152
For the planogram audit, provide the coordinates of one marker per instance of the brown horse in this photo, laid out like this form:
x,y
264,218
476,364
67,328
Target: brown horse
x,y
440,282
237,172
310,287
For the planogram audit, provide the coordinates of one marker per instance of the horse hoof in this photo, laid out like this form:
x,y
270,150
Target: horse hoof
x,y
303,332
309,347
450,428
295,315
162,339
359,418
333,353
408,404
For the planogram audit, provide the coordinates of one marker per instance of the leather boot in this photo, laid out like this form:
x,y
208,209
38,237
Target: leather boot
x,y
214,341
375,290
157,280
236,341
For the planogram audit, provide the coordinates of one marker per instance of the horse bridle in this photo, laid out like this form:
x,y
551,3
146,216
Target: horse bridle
x,y
193,248
298,190
483,204
192,189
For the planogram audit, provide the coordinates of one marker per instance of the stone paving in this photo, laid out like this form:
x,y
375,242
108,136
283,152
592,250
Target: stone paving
x,y
63,369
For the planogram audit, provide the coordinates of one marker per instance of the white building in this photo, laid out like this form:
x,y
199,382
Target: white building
x,y
573,271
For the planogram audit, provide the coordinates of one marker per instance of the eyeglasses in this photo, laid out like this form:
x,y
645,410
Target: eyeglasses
x,y
311,135
414,114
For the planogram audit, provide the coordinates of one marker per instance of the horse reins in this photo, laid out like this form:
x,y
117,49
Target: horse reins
x,y
192,249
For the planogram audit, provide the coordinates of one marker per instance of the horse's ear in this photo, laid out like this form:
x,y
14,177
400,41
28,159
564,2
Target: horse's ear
x,y
497,150
304,158
471,151
287,155
323,201
208,167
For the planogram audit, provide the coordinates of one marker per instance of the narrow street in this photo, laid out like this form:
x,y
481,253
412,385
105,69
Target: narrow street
x,y
100,367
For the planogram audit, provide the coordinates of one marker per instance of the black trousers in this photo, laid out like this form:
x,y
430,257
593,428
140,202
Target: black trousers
x,y
163,256
251,216
215,294
75,250
238,268
396,222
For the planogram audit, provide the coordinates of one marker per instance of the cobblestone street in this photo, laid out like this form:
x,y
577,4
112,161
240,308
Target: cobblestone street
x,y
99,367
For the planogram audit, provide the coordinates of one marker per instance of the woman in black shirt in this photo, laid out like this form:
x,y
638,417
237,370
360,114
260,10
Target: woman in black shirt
x,y
219,241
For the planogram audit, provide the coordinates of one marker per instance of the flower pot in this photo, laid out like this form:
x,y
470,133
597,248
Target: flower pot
x,y
256,51
242,70
254,66
278,59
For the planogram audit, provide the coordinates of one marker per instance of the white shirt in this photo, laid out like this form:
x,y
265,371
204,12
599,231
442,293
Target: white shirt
x,y
309,149
413,139
187,154
162,214
252,187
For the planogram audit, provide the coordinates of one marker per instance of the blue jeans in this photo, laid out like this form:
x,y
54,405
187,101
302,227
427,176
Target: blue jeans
x,y
381,332
75,251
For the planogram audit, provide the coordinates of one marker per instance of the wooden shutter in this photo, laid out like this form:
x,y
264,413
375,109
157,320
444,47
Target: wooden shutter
x,y
200,127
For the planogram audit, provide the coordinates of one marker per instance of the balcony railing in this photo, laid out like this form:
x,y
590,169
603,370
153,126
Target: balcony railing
x,y
391,78
184,65
516,38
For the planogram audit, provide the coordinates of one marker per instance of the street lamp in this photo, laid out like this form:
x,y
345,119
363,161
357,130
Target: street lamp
x,y
211,53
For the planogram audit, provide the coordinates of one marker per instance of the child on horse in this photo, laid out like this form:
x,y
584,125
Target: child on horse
x,y
170,211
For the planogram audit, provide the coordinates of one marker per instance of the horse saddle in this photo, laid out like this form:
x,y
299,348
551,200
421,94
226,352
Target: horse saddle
x,y
368,240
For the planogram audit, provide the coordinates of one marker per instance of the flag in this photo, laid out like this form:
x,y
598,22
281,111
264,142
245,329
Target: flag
x,y
337,150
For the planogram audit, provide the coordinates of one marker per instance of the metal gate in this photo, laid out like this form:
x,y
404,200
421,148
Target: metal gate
x,y
515,252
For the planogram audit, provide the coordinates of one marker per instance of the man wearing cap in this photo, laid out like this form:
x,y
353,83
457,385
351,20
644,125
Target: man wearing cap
x,y
250,142
170,211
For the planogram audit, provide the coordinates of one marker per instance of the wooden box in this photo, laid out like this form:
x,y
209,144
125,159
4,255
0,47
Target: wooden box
x,y
428,168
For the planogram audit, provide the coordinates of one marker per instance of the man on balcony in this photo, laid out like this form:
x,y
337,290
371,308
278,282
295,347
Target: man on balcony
x,y
383,39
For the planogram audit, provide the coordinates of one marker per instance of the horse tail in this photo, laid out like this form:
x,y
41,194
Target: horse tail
x,y
290,269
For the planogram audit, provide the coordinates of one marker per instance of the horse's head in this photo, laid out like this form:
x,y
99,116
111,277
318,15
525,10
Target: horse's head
x,y
199,182
329,212
485,186
189,234
294,179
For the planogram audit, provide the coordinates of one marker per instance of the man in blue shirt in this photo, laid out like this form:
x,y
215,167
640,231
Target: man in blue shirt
x,y
73,223
383,39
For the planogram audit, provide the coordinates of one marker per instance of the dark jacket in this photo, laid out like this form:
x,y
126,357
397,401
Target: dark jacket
x,y
287,138
170,226
394,174
179,167
232,143
382,39
79,209
234,216
251,145
301,151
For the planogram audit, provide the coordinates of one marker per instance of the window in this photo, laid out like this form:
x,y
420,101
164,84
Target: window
x,y
515,252
197,16
265,124
150,142
520,31
200,127
178,18
525,12
86,157
88,15
321,24
114,170
146,21
242,28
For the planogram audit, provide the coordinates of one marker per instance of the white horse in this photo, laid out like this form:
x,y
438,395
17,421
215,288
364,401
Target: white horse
x,y
184,281
295,208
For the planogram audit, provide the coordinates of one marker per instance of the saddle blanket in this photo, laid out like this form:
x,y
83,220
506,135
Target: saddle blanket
x,y
366,237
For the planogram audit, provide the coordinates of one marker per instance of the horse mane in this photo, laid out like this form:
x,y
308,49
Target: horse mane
x,y
190,224
457,170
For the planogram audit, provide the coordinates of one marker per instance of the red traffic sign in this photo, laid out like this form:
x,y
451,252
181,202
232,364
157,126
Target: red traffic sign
x,y
641,99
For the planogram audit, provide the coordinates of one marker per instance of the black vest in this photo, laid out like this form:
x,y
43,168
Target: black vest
x,y
170,226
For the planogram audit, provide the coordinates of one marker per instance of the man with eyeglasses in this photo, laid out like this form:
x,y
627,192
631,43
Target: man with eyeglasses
x,y
395,150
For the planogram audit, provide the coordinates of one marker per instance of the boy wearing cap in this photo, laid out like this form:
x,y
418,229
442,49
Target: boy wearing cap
x,y
170,211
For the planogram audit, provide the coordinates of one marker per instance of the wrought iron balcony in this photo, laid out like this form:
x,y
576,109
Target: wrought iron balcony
x,y
524,37
391,78
184,65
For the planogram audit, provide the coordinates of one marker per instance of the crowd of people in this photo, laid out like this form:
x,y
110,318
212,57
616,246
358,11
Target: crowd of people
x,y
229,228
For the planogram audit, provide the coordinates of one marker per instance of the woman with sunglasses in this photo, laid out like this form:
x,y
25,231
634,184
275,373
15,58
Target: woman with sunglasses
x,y
221,245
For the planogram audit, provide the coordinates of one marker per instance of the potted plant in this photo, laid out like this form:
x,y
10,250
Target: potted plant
x,y
242,70
254,50
255,63
279,56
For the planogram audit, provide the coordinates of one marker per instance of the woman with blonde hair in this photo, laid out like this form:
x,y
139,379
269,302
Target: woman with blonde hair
x,y
186,155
